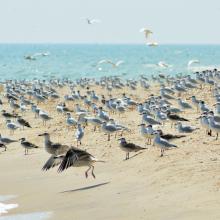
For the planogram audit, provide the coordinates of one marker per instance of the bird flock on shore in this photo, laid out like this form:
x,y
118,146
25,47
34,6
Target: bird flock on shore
x,y
83,107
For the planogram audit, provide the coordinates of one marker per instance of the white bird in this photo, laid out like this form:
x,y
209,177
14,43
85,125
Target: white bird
x,y
163,64
92,21
146,31
11,126
118,63
192,62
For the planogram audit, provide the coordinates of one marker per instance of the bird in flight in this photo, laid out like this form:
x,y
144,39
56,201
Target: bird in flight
x,y
118,63
92,21
146,32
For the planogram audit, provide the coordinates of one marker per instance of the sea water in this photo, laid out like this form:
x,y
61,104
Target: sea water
x,y
77,60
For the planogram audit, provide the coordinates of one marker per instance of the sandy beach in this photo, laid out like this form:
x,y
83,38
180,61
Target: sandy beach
x,y
184,184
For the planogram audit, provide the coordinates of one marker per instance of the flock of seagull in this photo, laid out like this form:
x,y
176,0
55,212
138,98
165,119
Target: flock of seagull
x,y
97,110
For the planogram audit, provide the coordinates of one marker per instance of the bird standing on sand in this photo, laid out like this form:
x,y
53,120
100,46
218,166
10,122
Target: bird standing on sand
x,y
44,116
184,128
11,126
79,134
174,118
23,122
6,140
129,147
162,143
27,145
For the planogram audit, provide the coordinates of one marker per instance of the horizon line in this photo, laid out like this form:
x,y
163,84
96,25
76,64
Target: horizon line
x,y
107,43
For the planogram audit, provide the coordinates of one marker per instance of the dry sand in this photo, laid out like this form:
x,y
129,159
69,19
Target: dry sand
x,y
184,184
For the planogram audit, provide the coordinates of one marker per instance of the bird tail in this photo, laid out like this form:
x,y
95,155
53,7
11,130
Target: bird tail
x,y
173,145
180,136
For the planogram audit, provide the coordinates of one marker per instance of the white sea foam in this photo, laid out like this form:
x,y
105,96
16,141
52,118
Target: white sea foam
x,y
28,216
5,207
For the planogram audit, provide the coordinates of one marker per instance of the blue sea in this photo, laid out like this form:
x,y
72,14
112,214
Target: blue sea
x,y
76,60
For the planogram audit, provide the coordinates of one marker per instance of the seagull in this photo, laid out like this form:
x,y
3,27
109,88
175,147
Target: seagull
x,y
74,157
79,134
129,147
44,116
192,62
53,148
27,145
92,21
146,32
163,64
147,132
175,118
109,129
11,126
23,122
117,64
184,128
70,120
162,143
6,140
183,104
170,137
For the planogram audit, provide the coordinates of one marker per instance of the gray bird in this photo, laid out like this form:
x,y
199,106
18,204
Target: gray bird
x,y
129,147
27,145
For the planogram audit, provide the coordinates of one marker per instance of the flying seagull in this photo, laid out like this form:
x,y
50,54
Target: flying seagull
x,y
118,63
146,32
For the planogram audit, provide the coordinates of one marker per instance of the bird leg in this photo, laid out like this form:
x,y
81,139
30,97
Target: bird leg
x,y
86,173
108,137
216,136
93,172
161,152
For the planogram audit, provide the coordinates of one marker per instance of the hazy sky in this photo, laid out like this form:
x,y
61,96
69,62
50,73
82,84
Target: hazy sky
x,y
172,21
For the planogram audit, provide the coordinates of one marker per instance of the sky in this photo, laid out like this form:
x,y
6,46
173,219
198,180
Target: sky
x,y
63,21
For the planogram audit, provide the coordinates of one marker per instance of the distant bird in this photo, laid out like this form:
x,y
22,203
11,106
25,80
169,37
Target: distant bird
x,y
163,64
129,147
44,116
79,134
6,140
92,21
8,115
192,62
170,137
11,126
175,118
23,122
117,64
27,145
184,128
162,143
146,32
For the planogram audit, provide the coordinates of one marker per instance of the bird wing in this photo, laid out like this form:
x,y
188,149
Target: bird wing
x,y
95,21
119,62
72,156
52,162
192,61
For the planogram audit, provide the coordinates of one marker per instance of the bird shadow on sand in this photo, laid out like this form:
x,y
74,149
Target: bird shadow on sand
x,y
86,188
